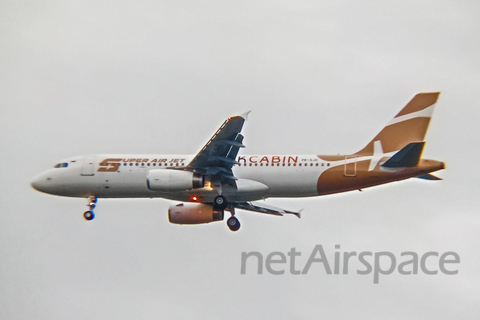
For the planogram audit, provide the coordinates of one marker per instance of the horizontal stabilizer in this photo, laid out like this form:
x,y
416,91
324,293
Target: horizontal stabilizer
x,y
407,157
428,176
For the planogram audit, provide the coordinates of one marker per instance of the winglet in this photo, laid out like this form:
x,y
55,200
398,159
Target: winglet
x,y
298,214
245,115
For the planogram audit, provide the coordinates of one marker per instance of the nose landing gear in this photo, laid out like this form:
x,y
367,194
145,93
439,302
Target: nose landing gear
x,y
89,215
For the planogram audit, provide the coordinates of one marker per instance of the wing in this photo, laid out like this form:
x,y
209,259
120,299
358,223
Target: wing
x,y
251,206
218,156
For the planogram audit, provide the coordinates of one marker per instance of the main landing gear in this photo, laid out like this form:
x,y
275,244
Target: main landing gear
x,y
89,215
233,223
221,203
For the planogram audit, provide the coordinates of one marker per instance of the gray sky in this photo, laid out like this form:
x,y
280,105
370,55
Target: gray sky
x,y
83,77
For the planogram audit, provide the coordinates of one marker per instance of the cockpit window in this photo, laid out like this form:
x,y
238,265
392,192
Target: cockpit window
x,y
61,165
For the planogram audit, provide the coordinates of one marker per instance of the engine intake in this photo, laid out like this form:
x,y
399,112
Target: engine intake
x,y
193,213
173,180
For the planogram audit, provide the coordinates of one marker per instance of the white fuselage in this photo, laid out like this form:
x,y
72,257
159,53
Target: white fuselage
x,y
125,176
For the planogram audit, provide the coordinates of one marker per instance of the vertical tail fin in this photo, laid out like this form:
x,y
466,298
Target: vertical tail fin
x,y
409,125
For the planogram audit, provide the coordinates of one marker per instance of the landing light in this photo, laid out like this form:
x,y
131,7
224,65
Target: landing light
x,y
208,185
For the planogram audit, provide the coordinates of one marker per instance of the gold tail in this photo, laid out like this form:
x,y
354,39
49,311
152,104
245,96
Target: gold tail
x,y
409,125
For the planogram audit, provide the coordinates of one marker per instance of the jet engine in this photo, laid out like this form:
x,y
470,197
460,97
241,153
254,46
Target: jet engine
x,y
173,180
193,213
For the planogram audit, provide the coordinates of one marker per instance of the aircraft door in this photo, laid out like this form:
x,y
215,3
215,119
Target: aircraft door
x,y
350,166
87,166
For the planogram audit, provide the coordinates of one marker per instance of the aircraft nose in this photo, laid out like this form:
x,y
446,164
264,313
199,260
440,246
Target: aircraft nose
x,y
36,184
39,183
50,182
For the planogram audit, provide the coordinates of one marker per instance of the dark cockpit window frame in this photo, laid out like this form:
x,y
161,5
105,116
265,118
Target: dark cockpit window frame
x,y
61,165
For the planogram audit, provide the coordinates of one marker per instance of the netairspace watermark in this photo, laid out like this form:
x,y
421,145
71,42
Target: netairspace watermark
x,y
384,262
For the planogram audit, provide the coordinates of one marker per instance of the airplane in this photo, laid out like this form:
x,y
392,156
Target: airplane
x,y
219,179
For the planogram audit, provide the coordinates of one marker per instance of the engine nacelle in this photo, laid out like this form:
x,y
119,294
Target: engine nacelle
x,y
193,213
173,180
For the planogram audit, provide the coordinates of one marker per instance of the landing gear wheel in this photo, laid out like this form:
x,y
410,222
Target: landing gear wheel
x,y
233,223
220,202
88,215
